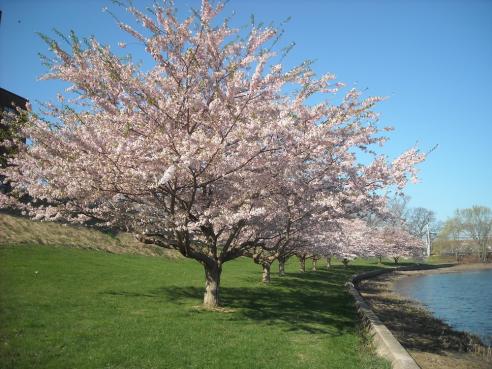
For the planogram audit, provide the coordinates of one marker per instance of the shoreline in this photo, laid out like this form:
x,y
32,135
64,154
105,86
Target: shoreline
x,y
431,342
452,268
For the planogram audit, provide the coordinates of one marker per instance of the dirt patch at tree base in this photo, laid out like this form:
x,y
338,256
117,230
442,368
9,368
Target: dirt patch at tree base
x,y
431,342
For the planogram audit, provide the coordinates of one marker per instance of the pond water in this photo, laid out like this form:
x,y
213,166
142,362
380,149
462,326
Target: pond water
x,y
463,300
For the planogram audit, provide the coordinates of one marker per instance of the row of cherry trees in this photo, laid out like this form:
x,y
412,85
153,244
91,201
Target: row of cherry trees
x,y
216,150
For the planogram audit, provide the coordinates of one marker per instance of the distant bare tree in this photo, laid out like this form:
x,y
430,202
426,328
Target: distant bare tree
x,y
418,219
451,236
398,208
477,223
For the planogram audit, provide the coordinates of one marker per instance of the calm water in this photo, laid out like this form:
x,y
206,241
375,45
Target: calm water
x,y
463,300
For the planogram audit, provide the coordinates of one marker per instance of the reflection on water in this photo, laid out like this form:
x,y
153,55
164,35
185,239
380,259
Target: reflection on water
x,y
463,300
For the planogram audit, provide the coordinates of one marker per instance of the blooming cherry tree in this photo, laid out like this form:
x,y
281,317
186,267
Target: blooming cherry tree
x,y
206,152
398,243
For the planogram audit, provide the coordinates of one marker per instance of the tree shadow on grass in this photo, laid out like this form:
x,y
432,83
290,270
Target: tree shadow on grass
x,y
294,310
294,305
314,302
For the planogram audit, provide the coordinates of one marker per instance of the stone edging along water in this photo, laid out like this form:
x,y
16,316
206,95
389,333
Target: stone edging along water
x,y
387,345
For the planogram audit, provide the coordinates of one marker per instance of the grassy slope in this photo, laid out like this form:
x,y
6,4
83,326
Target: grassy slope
x,y
22,231
70,308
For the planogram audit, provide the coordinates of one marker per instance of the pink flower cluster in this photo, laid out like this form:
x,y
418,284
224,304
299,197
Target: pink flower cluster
x,y
208,152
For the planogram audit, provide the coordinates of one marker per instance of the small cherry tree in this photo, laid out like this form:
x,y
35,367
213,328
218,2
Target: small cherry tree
x,y
398,243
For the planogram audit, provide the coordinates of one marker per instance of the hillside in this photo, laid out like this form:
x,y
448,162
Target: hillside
x,y
22,231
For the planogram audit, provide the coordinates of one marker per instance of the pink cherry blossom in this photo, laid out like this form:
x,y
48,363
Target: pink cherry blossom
x,y
206,152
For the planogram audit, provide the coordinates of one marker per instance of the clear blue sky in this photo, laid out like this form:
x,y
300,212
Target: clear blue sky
x,y
433,59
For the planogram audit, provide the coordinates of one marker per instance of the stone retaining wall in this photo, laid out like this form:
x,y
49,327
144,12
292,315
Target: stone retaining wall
x,y
386,344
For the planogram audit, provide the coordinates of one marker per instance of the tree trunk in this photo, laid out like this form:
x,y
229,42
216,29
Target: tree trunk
x,y
396,260
212,284
328,263
302,261
315,264
380,259
266,272
483,253
281,266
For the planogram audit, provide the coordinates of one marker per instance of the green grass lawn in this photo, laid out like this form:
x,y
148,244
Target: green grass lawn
x,y
71,308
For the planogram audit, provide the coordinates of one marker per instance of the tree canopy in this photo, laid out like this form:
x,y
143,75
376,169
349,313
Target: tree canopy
x,y
215,151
